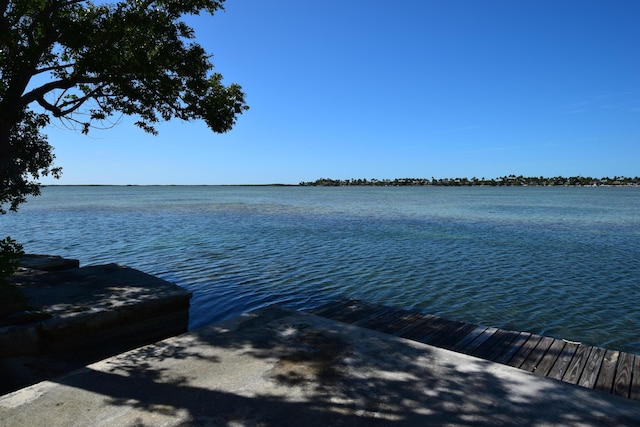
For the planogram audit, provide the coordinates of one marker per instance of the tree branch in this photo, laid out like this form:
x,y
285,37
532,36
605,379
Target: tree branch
x,y
60,109
50,107
40,92
52,68
74,106
76,103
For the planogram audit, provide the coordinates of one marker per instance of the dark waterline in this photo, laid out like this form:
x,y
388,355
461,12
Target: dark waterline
x,y
563,262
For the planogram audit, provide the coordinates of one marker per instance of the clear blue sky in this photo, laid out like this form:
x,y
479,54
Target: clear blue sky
x,y
380,89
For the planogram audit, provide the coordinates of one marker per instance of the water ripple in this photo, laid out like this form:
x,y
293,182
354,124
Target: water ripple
x,y
561,262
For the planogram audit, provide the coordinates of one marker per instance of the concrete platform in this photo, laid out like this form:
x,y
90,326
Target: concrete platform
x,y
78,316
276,367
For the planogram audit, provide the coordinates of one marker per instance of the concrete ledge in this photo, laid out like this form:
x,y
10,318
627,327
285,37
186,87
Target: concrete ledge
x,y
85,314
276,367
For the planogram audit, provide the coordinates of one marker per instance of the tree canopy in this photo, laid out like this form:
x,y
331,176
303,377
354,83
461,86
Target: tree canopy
x,y
84,62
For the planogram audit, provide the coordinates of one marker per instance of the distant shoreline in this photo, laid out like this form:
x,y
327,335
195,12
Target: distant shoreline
x,y
504,181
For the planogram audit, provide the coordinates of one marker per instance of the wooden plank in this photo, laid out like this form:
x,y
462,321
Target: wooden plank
x,y
360,312
513,348
414,332
622,381
418,321
414,322
563,361
439,327
350,312
533,359
524,351
376,318
400,323
383,320
448,341
485,347
468,337
452,328
592,368
550,357
635,382
428,328
607,374
574,370
495,345
331,308
478,341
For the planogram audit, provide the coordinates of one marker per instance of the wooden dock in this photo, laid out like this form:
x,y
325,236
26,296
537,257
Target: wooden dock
x,y
597,368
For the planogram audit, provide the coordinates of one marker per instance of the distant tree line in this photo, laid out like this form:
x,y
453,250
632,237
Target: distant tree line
x,y
509,181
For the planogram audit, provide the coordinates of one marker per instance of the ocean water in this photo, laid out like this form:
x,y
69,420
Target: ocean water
x,y
558,261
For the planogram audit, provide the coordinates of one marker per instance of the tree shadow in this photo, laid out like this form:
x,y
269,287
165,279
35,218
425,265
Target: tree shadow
x,y
276,367
82,315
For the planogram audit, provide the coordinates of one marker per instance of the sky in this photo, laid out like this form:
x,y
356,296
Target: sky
x,y
378,89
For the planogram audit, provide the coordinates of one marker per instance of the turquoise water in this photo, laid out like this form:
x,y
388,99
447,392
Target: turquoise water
x,y
563,262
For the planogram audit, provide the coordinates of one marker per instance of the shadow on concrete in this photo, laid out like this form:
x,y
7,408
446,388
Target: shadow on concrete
x,y
276,367
82,315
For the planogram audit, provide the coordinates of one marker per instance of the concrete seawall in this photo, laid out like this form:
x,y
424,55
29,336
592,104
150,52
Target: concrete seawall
x,y
78,315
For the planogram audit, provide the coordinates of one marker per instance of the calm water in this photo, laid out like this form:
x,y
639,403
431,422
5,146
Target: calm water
x,y
563,262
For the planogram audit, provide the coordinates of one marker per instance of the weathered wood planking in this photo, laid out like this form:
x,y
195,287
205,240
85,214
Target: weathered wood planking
x,y
601,369
535,357
607,371
447,341
524,351
550,358
635,382
508,352
622,381
495,345
561,364
592,368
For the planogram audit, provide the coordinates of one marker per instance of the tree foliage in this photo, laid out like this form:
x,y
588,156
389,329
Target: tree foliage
x,y
84,62
10,254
